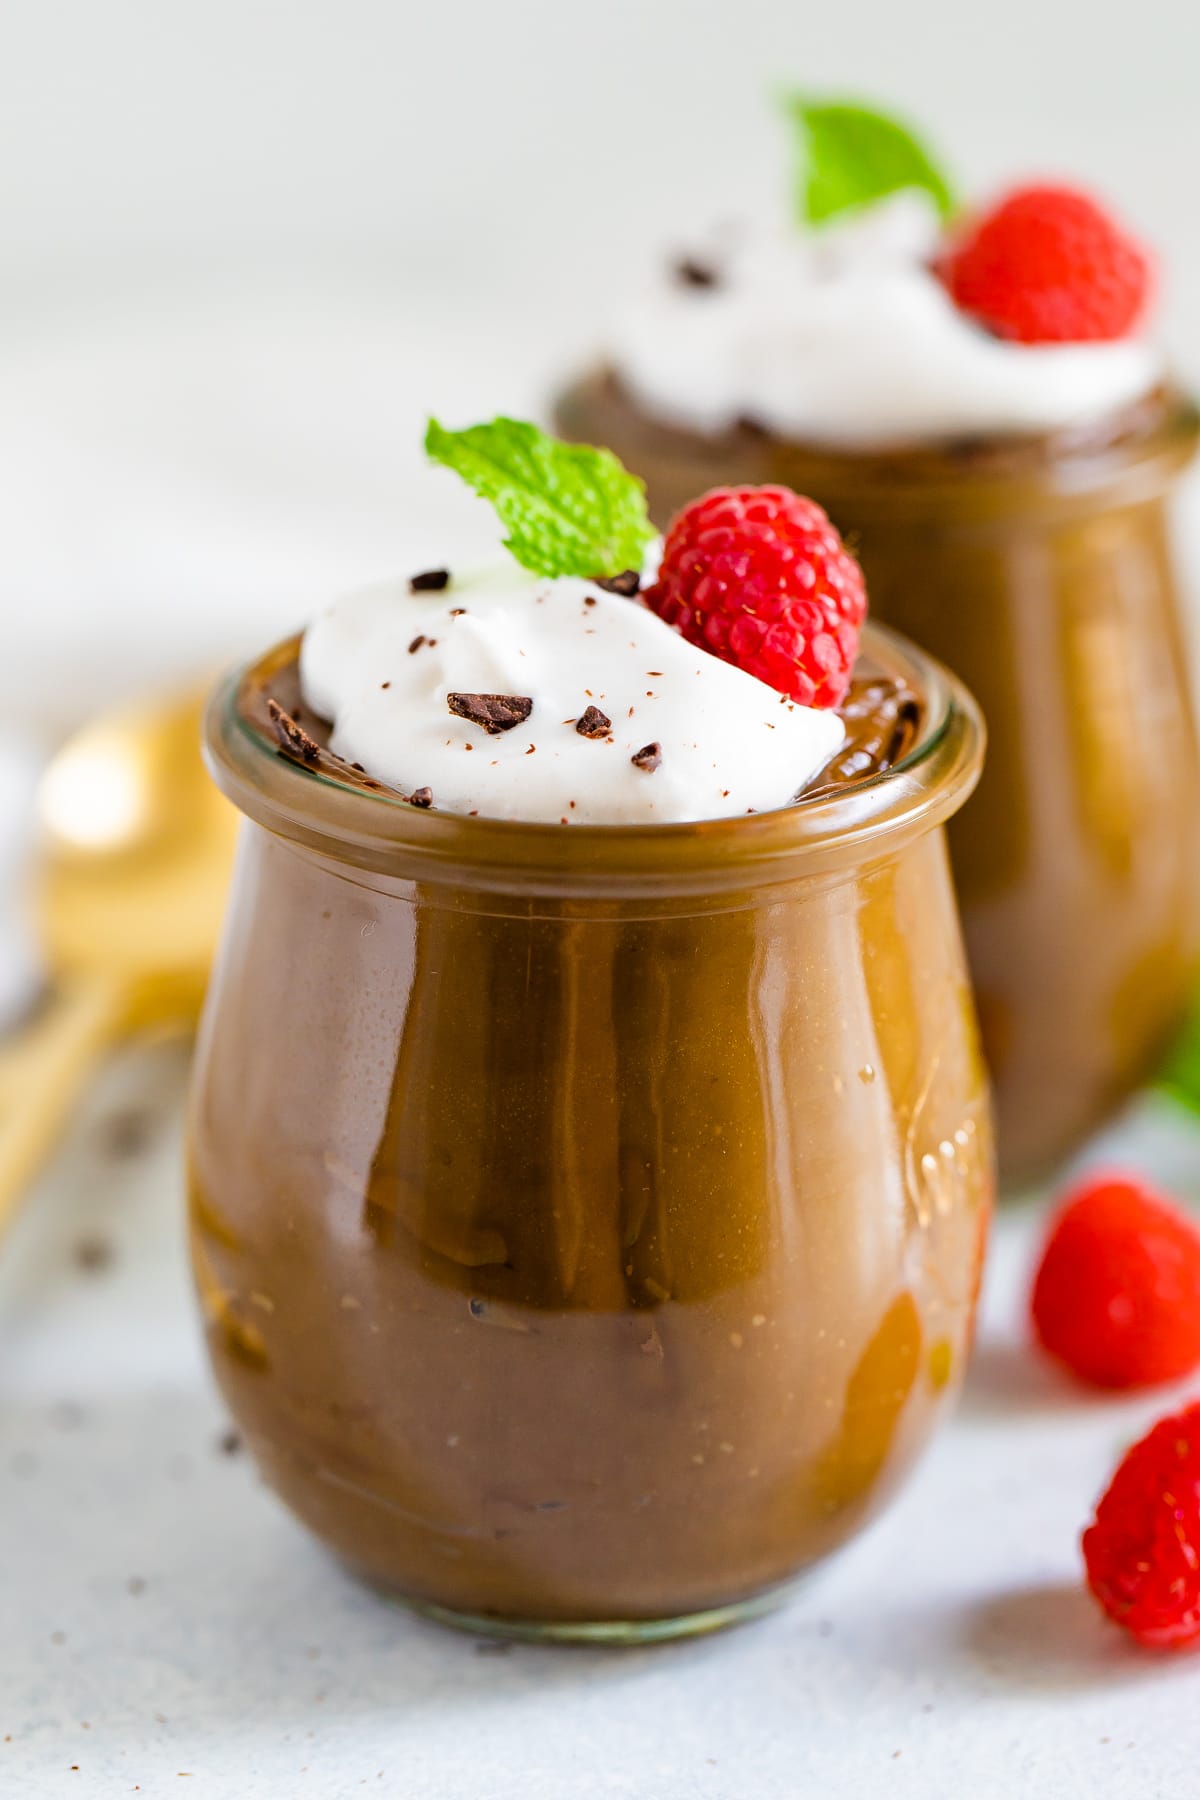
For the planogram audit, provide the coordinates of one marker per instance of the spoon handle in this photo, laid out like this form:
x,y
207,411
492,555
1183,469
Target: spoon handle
x,y
42,1072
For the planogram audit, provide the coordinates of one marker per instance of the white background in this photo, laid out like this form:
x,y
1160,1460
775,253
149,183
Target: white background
x,y
535,142
246,246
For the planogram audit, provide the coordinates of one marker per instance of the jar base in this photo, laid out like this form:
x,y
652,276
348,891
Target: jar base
x,y
596,1631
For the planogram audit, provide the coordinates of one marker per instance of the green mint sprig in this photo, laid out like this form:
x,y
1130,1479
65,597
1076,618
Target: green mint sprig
x,y
568,509
852,155
1180,1074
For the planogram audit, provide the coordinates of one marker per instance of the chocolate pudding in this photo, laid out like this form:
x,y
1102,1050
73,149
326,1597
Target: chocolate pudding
x,y
588,1222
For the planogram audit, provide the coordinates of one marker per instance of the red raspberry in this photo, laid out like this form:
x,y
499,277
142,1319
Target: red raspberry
x,y
1143,1551
761,578
1048,266
1117,1296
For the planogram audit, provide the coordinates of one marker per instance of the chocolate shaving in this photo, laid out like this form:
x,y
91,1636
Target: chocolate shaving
x,y
593,723
416,644
127,1133
495,712
93,1254
627,583
421,797
691,272
431,582
647,758
294,741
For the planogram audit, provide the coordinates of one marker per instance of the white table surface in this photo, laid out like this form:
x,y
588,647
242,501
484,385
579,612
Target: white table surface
x,y
165,1620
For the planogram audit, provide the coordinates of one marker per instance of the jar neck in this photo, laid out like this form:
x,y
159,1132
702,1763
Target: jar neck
x,y
1127,459
380,833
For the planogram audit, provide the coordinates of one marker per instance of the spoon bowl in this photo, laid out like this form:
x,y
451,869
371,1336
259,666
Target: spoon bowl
x,y
136,852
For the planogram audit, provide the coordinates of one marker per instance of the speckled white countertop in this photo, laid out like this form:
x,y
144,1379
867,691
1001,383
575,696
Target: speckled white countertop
x,y
164,1621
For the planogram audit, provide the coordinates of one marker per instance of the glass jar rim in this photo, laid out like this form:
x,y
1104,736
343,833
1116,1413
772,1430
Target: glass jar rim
x,y
1137,450
382,833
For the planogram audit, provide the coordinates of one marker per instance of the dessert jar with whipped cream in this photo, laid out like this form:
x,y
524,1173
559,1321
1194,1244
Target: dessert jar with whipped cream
x,y
980,408
590,1147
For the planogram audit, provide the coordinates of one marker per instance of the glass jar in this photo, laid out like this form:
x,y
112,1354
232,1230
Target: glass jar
x,y
588,1221
1041,572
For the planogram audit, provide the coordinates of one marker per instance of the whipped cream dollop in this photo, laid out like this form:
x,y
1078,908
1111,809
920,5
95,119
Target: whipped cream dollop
x,y
382,664
845,336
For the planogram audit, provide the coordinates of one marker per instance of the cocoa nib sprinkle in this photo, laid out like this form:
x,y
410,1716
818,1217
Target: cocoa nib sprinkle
x,y
647,758
593,723
421,797
627,583
495,712
431,581
293,739
690,271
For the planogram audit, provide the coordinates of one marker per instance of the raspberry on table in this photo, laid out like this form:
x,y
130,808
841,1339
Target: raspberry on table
x,y
760,577
1117,1294
1048,265
1142,1552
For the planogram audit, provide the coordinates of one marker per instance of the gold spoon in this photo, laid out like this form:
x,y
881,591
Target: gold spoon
x,y
137,852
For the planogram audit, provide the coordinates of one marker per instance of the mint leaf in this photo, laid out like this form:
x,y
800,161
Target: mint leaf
x,y
568,509
1180,1075
853,155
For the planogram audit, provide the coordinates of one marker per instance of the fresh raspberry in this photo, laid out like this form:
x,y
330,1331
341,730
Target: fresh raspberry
x,y
1142,1552
761,578
1047,265
1117,1295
